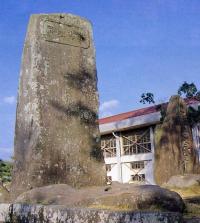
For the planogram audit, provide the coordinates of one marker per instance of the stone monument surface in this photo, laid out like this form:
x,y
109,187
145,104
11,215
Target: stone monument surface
x,y
57,137
174,151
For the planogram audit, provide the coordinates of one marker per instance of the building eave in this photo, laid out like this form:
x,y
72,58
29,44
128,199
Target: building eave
x,y
130,123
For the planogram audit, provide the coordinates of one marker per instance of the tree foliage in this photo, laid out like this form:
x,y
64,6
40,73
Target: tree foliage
x,y
147,98
189,90
5,171
186,90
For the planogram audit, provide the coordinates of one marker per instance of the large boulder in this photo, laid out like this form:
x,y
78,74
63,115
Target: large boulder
x,y
116,197
174,152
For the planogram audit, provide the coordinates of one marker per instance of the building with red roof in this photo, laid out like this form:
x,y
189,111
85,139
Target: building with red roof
x,y
127,140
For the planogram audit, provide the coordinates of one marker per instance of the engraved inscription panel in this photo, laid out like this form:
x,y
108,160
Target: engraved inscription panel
x,y
66,34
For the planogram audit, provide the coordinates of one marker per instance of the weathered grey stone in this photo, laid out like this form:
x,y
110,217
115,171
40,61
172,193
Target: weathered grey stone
x,y
57,135
191,220
174,152
21,213
4,212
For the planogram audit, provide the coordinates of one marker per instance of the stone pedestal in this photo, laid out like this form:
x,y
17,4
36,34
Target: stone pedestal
x,y
57,136
17,213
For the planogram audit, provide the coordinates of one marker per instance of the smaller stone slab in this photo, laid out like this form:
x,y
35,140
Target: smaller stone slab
x,y
55,213
183,181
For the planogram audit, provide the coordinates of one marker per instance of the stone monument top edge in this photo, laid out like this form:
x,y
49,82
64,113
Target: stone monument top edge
x,y
62,28
62,15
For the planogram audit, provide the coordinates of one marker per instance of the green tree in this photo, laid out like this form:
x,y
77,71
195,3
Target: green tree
x,y
186,90
147,98
5,171
189,90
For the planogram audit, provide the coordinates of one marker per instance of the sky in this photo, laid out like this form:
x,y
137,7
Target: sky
x,y
141,46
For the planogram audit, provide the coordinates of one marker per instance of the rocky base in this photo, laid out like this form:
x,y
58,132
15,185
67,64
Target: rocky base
x,y
118,203
117,197
191,220
24,213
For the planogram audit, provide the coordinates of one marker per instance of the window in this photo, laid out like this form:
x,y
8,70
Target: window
x,y
136,141
131,142
137,165
108,145
138,177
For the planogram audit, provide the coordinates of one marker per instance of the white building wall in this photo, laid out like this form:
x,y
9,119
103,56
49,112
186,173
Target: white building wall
x,y
126,167
125,173
122,163
114,172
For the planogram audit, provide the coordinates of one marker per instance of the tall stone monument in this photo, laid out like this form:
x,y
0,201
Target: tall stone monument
x,y
57,136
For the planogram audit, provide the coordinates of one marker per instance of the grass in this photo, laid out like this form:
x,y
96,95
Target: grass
x,y
4,196
110,208
192,191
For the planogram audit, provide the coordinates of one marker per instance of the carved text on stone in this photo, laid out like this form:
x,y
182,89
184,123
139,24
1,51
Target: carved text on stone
x,y
65,34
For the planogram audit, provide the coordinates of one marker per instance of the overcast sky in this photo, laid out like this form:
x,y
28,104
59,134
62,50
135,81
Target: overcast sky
x,y
141,46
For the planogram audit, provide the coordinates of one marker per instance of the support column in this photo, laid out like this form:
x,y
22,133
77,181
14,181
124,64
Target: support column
x,y
118,153
152,151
